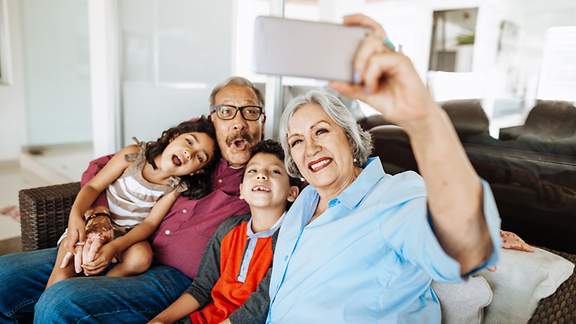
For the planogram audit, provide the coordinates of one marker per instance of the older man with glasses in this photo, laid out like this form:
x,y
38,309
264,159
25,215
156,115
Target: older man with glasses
x,y
178,243
236,132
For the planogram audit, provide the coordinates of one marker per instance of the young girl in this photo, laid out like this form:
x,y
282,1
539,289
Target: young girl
x,y
142,182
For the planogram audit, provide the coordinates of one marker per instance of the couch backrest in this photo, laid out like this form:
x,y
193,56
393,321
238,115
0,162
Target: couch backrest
x,y
534,183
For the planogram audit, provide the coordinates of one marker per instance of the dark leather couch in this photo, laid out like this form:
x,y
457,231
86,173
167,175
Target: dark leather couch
x,y
532,172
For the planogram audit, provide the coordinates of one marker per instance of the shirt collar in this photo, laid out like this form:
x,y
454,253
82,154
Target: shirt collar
x,y
232,176
267,233
366,180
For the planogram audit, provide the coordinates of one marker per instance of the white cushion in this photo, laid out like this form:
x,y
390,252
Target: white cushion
x,y
520,281
463,302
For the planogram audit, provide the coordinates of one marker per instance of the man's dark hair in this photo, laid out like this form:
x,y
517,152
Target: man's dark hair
x,y
199,184
272,147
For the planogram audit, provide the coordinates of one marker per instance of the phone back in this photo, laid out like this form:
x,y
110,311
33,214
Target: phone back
x,y
307,49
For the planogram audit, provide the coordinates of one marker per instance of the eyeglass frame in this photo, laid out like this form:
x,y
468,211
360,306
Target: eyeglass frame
x,y
215,108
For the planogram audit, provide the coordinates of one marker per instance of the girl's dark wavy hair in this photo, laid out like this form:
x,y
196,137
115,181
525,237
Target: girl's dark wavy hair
x,y
199,184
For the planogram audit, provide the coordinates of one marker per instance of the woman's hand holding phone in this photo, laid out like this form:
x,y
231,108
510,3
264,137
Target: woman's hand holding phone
x,y
386,80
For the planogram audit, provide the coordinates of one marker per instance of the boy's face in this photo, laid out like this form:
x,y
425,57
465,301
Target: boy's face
x,y
266,183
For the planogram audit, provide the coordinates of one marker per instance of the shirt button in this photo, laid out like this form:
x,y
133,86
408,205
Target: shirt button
x,y
167,232
286,258
219,180
184,210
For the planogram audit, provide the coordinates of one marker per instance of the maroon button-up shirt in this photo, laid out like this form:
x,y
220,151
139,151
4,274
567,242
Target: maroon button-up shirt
x,y
184,232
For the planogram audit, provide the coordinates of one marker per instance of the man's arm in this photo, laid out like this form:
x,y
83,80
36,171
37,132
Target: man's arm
x,y
183,306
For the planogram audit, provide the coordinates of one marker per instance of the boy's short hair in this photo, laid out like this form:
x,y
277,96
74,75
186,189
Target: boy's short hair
x,y
271,147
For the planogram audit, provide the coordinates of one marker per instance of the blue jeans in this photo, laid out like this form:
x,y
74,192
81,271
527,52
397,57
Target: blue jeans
x,y
98,299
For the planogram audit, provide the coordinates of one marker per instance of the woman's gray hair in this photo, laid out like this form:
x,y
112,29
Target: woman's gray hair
x,y
237,81
359,139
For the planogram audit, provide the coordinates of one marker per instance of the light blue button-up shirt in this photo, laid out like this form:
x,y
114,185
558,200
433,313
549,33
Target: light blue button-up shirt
x,y
369,258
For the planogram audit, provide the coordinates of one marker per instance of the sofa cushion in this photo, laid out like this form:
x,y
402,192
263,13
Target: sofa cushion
x,y
468,116
520,281
463,302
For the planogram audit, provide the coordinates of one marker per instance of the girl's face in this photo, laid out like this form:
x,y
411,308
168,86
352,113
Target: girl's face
x,y
187,153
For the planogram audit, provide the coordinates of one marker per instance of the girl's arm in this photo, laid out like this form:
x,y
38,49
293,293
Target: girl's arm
x,y
145,229
139,233
88,194
183,306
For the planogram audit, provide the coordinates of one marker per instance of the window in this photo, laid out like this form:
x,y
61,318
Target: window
x,y
452,45
4,68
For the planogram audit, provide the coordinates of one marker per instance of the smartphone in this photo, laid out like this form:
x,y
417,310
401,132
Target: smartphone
x,y
308,49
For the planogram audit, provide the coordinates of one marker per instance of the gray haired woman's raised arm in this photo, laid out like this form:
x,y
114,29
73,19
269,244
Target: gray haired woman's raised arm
x,y
387,81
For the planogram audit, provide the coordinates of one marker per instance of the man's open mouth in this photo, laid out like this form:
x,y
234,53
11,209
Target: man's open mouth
x,y
240,144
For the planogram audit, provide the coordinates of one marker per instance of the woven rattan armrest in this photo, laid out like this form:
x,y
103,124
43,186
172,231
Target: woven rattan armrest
x,y
560,307
44,214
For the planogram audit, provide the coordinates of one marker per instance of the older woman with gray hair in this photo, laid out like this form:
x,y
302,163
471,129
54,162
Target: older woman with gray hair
x,y
360,245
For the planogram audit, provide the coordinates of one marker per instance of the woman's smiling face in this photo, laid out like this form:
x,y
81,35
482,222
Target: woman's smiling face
x,y
320,149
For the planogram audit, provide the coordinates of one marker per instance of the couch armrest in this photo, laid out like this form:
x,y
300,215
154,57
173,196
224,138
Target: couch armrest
x,y
44,214
559,307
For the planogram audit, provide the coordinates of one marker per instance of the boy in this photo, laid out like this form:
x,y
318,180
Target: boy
x,y
232,285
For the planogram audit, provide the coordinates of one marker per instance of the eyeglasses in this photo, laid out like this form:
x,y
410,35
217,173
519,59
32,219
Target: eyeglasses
x,y
228,112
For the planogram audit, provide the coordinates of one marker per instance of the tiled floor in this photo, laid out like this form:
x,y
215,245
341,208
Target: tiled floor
x,y
13,180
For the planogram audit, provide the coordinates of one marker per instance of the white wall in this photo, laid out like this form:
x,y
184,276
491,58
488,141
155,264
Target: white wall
x,y
12,104
174,53
57,74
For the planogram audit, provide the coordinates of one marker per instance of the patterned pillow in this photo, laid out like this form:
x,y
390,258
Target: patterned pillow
x,y
521,280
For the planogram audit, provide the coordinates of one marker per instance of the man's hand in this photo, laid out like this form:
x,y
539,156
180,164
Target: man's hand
x,y
102,259
75,240
512,241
